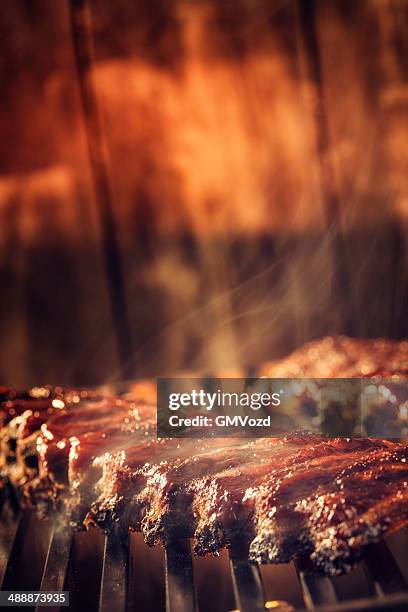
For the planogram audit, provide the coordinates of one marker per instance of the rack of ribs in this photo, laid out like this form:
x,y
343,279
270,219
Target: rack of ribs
x,y
93,459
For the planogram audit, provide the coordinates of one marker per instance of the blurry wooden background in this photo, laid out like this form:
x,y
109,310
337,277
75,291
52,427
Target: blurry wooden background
x,y
258,164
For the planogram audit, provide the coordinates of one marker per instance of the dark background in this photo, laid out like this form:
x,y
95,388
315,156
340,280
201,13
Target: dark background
x,y
257,162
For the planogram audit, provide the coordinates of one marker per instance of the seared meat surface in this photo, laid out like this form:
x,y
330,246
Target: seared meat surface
x,y
287,496
95,459
21,418
335,497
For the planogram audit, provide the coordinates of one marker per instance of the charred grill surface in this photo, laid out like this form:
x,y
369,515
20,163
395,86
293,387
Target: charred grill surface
x,y
95,460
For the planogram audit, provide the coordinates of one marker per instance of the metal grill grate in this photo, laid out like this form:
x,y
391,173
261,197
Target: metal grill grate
x,y
389,590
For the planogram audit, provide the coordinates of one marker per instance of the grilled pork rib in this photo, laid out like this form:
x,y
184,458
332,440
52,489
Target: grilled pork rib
x,y
96,460
21,418
290,496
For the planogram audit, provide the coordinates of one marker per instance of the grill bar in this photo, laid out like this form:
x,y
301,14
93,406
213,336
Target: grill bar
x,y
56,563
317,590
180,592
114,572
20,536
383,571
10,524
246,579
397,602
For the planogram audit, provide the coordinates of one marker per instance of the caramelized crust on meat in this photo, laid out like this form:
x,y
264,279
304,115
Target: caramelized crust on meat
x,y
288,496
